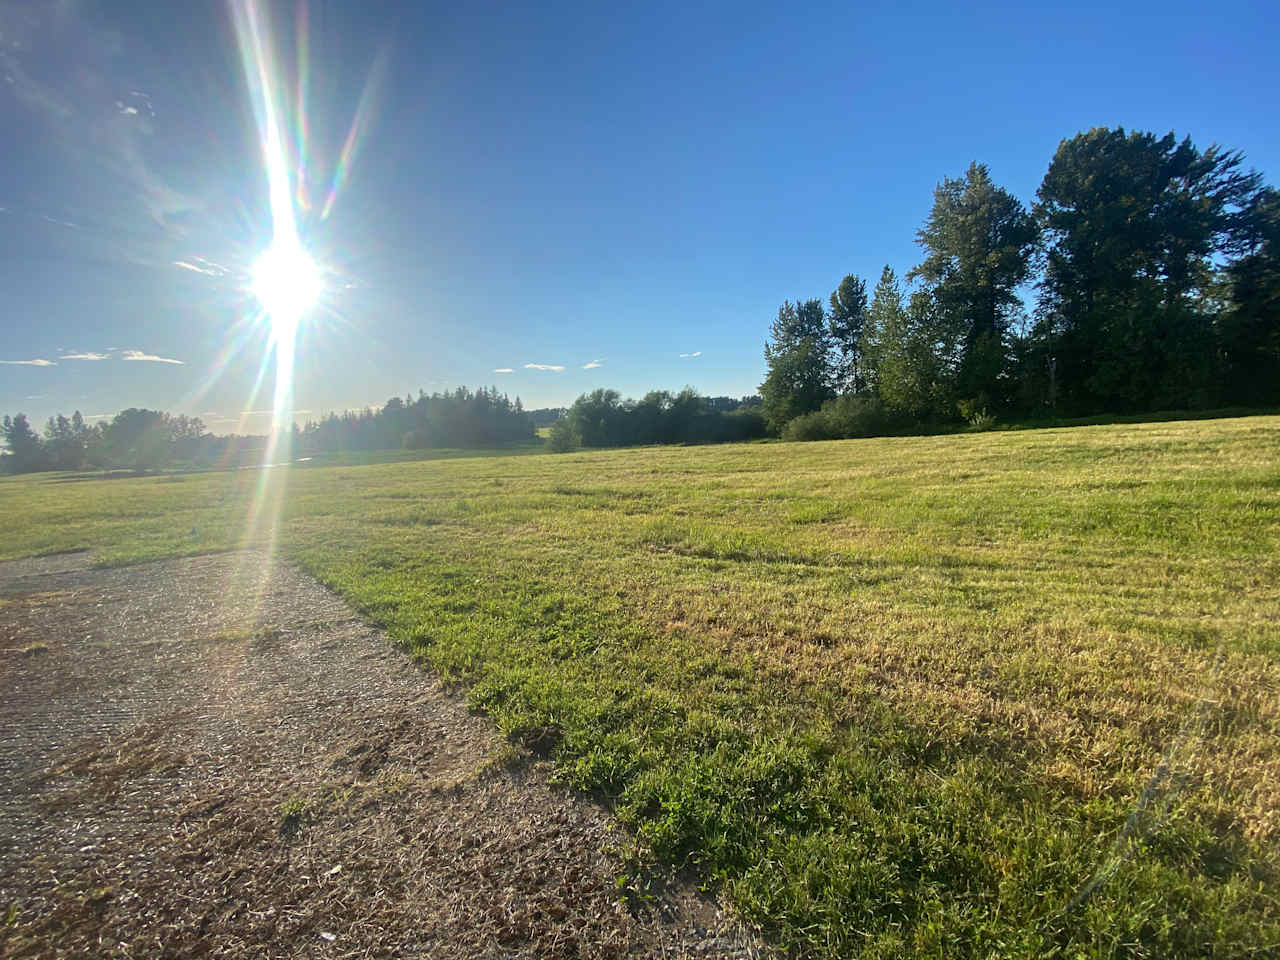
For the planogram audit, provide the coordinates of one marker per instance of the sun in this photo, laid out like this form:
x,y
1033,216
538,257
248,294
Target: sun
x,y
287,283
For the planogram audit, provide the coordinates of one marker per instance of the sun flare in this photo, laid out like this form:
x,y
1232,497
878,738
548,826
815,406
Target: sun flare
x,y
287,283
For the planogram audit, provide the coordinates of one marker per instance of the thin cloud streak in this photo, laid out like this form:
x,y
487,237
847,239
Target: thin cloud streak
x,y
83,356
553,367
202,266
593,364
150,357
690,356
503,370
106,136
30,363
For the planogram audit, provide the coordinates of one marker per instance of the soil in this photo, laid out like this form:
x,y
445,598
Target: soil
x,y
215,757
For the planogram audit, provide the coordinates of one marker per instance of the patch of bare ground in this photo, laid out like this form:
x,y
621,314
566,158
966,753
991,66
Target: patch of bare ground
x,y
213,757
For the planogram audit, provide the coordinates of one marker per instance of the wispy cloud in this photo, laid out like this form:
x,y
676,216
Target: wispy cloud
x,y
554,367
503,370
690,356
593,364
201,265
30,91
83,356
30,363
36,396
145,100
151,357
105,134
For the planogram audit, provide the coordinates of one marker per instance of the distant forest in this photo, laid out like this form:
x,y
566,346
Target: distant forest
x,y
143,440
149,439
1153,270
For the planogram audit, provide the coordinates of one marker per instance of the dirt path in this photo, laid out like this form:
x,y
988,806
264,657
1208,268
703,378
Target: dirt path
x,y
214,757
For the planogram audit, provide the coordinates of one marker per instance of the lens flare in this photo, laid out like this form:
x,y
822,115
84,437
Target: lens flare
x,y
287,283
284,279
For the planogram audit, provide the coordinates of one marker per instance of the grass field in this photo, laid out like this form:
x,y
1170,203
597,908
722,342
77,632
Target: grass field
x,y
1006,694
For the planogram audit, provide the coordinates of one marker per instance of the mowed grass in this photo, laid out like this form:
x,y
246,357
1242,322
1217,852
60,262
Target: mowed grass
x,y
1008,694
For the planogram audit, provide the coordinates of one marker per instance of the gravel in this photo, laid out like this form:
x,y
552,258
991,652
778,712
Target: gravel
x,y
215,757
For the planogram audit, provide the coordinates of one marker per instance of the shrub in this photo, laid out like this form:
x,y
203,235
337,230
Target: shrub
x,y
841,419
563,437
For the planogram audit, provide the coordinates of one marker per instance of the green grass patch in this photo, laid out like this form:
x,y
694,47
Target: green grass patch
x,y
1001,694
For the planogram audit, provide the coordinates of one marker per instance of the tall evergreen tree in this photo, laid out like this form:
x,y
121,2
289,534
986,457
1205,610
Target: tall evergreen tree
x,y
978,241
846,319
798,357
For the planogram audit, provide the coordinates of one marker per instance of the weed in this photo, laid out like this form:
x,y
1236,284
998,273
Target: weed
x,y
981,420
295,813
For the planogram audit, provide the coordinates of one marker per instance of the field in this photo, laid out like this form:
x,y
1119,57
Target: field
x,y
1003,694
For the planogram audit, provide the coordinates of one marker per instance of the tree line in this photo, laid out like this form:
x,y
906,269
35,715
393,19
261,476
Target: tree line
x,y
461,418
485,419
134,439
141,440
603,418
1156,273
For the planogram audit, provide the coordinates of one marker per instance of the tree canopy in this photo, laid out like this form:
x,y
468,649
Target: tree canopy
x,y
1157,272
1134,226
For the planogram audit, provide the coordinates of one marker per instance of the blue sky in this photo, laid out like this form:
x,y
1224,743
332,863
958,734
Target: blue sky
x,y
623,191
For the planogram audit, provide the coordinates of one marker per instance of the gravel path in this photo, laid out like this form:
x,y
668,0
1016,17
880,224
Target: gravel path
x,y
215,757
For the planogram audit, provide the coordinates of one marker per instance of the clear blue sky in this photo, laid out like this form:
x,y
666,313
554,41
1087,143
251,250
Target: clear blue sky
x,y
555,184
